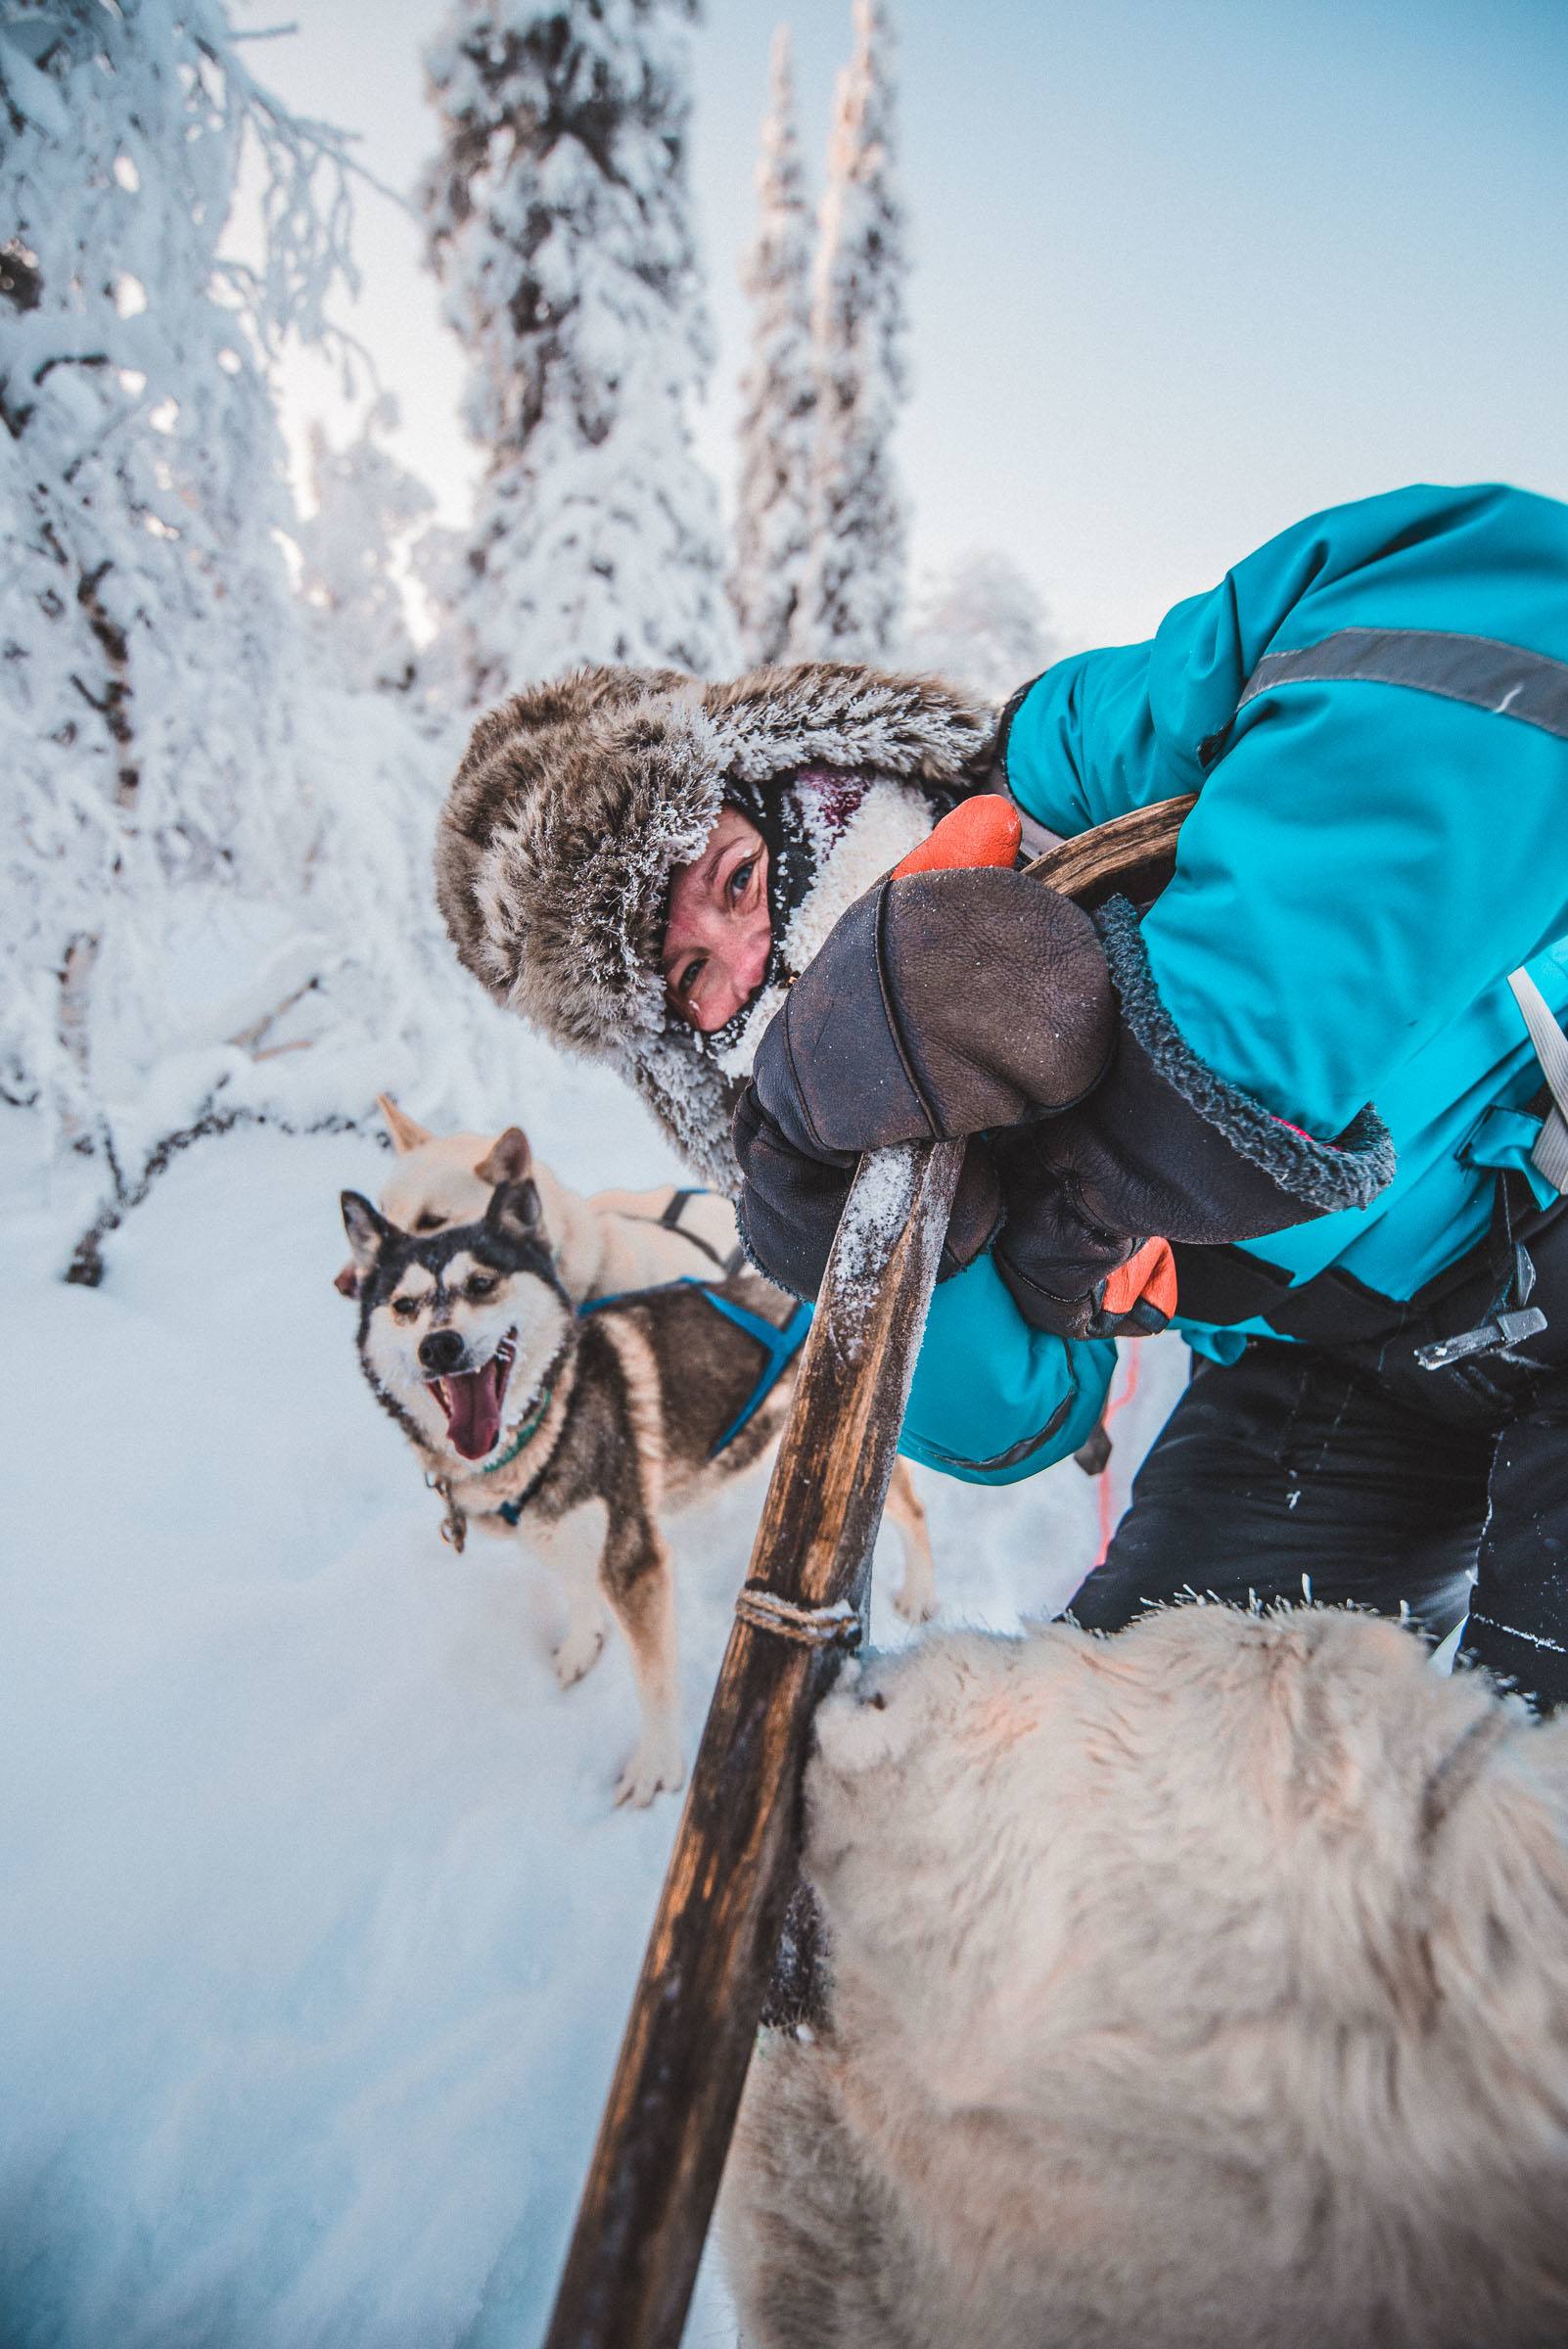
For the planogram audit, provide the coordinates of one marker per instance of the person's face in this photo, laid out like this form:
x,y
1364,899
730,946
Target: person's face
x,y
718,937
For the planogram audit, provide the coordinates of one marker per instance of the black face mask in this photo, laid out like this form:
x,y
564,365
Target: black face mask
x,y
802,817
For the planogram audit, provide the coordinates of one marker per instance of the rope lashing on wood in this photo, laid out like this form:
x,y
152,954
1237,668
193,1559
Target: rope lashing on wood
x,y
835,1625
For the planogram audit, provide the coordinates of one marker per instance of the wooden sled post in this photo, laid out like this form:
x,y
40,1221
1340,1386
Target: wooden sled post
x,y
671,2109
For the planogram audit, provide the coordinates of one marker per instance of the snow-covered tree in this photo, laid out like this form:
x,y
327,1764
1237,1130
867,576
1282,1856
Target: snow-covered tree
x,y
982,625
853,602
147,716
778,396
214,875
440,577
560,224
366,501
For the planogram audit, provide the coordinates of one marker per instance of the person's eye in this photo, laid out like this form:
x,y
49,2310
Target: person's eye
x,y
740,880
691,974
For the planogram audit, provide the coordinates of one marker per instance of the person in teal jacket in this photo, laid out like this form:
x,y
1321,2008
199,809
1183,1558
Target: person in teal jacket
x,y
1306,1067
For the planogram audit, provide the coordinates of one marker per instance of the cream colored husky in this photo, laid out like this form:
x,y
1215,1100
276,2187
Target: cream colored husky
x,y
1205,1987
604,1245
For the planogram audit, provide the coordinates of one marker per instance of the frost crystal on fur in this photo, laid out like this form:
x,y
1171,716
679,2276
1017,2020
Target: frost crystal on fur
x,y
576,800
852,599
778,397
1201,1984
560,224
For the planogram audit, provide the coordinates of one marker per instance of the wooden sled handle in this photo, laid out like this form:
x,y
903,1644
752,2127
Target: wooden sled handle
x,y
666,2124
1133,856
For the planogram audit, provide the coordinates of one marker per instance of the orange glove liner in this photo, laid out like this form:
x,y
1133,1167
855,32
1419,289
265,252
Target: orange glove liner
x,y
984,830
1150,1273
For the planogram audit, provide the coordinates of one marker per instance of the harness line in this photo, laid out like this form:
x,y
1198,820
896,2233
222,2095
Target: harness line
x,y
781,1344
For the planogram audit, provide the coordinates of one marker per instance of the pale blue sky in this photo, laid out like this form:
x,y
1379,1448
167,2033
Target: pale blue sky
x,y
1182,272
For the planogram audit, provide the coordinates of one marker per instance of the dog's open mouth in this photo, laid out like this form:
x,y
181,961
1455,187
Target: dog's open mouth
x,y
471,1401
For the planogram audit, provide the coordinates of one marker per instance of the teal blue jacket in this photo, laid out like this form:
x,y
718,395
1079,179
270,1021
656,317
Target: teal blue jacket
x,y
1367,863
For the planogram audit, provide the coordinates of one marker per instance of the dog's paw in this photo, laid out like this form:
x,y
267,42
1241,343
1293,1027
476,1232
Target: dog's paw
x,y
656,1767
579,1653
918,1604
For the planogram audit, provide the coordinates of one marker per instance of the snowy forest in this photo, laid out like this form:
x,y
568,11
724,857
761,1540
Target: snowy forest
x,y
361,374
321,1924
233,698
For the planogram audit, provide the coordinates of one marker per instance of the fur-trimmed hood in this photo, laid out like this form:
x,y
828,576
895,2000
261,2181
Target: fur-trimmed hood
x,y
575,801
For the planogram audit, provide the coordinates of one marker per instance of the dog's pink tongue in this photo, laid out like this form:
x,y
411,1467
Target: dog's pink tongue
x,y
474,1410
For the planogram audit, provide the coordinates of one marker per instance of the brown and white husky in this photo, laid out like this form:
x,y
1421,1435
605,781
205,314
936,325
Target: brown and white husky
x,y
581,1430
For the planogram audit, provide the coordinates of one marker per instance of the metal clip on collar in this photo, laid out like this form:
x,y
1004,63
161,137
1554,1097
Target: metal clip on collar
x,y
454,1525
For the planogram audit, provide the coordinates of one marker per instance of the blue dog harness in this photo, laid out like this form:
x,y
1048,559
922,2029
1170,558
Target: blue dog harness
x,y
780,1345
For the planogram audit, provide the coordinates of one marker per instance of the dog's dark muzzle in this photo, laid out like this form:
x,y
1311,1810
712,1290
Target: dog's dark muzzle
x,y
441,1352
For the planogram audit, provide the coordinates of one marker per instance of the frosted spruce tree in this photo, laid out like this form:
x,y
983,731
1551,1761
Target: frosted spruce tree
x,y
854,596
559,222
366,501
145,616
778,395
214,894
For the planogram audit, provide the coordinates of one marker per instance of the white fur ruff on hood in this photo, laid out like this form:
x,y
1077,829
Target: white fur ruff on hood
x,y
575,801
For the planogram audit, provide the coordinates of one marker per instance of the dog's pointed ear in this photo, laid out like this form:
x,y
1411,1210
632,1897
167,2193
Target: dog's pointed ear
x,y
405,1135
367,1230
514,1211
508,1158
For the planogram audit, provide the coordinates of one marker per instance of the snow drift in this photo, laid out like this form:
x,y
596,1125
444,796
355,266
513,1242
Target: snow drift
x,y
320,1927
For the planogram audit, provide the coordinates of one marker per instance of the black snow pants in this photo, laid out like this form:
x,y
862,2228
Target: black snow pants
x,y
1350,1475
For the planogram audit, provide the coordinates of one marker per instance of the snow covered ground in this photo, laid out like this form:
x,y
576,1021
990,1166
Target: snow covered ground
x,y
320,1924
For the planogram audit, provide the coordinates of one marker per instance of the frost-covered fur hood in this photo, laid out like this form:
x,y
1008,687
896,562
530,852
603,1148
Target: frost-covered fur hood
x,y
576,800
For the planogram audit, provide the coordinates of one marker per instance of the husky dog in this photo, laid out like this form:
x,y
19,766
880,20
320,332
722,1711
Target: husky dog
x,y
1207,1983
621,1240
617,1240
583,1428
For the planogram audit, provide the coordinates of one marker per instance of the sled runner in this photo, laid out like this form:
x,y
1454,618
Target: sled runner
x,y
672,2107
